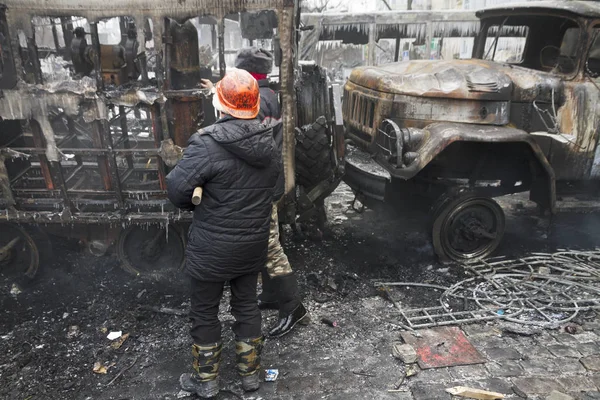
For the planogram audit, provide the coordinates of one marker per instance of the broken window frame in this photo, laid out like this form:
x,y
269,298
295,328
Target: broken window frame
x,y
520,19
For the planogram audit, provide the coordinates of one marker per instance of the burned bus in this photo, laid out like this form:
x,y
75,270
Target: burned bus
x,y
97,101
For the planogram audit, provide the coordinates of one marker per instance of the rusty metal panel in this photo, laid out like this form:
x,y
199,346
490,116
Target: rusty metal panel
x,y
443,347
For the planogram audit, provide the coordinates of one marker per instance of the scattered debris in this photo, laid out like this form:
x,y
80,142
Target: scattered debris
x,y
555,395
523,330
15,290
122,372
412,370
271,375
519,392
329,322
331,283
140,294
165,310
72,332
543,270
119,342
183,394
114,335
65,315
404,352
99,368
443,347
572,329
363,374
400,381
463,391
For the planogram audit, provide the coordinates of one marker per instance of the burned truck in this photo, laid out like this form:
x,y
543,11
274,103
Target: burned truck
x,y
521,116
97,100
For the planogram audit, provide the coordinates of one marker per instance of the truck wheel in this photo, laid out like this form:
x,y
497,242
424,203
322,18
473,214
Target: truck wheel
x,y
313,155
152,251
467,228
21,250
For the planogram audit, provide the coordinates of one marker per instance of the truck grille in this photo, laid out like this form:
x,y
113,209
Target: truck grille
x,y
359,109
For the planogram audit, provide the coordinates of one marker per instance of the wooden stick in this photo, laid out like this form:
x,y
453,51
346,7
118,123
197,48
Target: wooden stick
x,y
197,196
165,310
122,371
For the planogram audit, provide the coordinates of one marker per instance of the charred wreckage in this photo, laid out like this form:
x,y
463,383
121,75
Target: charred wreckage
x,y
458,133
97,102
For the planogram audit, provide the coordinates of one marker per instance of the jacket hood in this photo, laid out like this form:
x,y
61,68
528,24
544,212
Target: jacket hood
x,y
248,140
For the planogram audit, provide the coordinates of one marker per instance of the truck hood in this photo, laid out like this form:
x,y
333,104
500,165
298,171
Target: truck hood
x,y
460,79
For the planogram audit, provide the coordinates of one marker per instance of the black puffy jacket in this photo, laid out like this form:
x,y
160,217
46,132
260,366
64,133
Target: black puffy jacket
x,y
236,162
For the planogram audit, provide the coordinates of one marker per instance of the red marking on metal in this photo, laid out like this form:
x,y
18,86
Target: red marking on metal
x,y
443,347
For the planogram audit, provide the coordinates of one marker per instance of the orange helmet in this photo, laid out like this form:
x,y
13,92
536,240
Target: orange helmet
x,y
237,94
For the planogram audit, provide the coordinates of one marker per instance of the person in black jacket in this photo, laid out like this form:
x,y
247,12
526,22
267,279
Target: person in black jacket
x,y
237,163
280,287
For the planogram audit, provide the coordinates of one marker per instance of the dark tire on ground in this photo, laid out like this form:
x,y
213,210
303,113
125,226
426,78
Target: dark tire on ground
x,y
313,155
467,228
24,249
147,253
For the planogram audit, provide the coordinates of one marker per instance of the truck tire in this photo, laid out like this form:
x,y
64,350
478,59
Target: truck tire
x,y
467,227
313,155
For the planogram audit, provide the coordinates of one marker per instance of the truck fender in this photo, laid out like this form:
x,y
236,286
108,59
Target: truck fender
x,y
438,136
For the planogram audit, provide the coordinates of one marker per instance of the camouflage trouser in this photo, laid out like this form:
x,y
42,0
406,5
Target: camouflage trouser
x,y
247,355
206,360
277,261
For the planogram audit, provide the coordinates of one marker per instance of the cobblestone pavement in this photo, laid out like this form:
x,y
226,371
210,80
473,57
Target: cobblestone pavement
x,y
40,360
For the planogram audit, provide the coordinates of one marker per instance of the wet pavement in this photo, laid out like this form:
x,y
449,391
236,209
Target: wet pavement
x,y
54,331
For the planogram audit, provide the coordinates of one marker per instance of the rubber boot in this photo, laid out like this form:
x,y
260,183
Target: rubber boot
x,y
267,299
247,358
205,382
291,309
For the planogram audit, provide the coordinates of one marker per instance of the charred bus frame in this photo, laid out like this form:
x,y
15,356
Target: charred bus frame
x,y
87,156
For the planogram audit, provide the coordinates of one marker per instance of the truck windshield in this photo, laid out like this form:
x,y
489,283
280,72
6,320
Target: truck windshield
x,y
525,40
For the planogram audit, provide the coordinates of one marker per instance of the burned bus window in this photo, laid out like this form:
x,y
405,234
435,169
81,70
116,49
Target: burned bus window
x,y
148,61
454,39
29,59
131,129
232,39
247,29
208,48
51,49
61,47
122,56
184,68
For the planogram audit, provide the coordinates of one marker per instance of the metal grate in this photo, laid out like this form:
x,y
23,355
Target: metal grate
x,y
544,290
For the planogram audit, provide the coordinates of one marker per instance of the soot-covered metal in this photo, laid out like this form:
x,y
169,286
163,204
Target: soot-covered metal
x,y
98,99
522,115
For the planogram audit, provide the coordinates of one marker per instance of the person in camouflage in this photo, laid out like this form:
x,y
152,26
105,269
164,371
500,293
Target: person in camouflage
x,y
280,287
